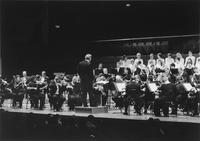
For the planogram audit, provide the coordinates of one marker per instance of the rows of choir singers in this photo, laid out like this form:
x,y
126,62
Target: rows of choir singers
x,y
159,64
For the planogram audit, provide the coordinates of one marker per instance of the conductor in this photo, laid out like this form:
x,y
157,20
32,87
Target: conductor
x,y
85,72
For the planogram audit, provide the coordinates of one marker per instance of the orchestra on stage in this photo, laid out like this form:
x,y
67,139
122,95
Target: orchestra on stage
x,y
159,86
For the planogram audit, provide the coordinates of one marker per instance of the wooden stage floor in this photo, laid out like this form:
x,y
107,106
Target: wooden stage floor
x,y
113,113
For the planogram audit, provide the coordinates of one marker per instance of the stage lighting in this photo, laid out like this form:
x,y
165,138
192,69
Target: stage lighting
x,y
128,5
57,26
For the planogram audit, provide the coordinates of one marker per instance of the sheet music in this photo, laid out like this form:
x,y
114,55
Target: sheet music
x,y
153,87
121,87
187,86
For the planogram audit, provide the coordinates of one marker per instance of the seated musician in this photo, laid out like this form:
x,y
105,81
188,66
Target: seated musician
x,y
42,85
106,74
134,94
51,93
5,91
74,93
33,92
149,94
163,99
18,91
126,75
98,70
98,90
189,70
58,98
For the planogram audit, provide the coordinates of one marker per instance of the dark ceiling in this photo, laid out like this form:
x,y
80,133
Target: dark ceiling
x,y
52,35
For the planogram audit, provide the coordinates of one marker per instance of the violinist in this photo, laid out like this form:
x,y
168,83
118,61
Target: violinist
x,y
126,75
59,98
99,70
5,92
51,93
74,91
42,89
33,92
18,91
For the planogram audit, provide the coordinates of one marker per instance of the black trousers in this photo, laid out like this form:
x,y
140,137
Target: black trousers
x,y
84,92
18,98
2,98
138,103
74,100
50,97
58,101
41,99
161,104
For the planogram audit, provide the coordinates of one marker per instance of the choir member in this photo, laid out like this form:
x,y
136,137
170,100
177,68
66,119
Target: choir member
x,y
179,61
168,61
160,66
131,66
189,70
138,58
197,65
190,56
159,59
151,61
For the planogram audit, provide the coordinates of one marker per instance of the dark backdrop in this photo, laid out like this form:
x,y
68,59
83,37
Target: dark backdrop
x,y
54,36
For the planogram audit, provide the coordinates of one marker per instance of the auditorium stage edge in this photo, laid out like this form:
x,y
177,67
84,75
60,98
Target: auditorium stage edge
x,y
112,114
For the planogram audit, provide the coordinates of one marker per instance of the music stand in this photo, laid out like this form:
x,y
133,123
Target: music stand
x,y
120,87
187,86
152,87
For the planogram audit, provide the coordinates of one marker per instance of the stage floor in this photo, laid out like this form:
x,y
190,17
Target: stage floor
x,y
113,113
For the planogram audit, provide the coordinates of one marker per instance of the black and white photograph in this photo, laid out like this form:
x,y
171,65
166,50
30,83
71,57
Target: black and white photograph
x,y
99,70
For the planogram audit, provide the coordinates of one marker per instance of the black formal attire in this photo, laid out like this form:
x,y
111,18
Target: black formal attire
x,y
134,94
98,71
51,93
58,98
165,97
18,95
85,72
148,98
42,92
74,96
33,93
